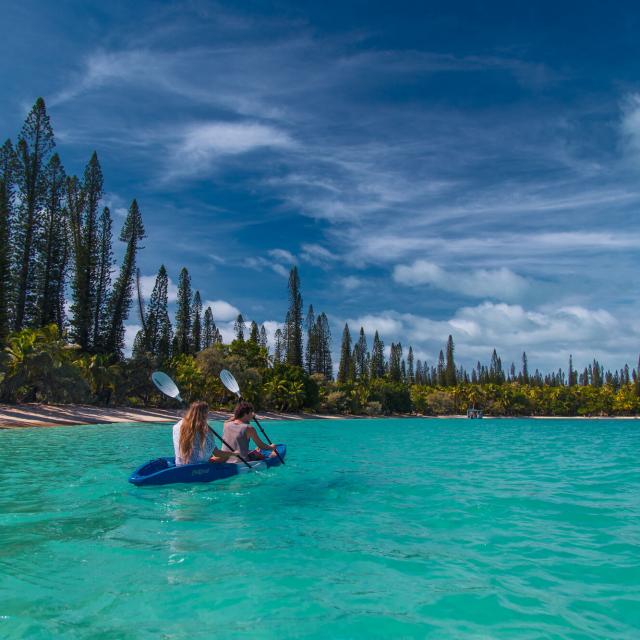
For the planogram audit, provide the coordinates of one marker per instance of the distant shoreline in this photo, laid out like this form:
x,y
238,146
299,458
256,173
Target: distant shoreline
x,y
46,415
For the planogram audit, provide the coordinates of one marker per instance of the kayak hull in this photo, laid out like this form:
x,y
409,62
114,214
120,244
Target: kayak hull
x,y
164,470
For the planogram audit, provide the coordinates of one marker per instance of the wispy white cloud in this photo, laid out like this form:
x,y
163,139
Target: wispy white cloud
x,y
316,254
350,283
282,255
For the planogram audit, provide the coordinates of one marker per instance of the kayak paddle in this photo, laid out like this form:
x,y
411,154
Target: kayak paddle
x,y
232,385
167,386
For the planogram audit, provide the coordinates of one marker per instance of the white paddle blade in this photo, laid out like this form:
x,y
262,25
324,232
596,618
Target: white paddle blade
x,y
165,384
229,381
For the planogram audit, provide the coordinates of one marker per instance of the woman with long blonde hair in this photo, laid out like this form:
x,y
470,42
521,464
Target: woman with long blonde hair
x,y
193,441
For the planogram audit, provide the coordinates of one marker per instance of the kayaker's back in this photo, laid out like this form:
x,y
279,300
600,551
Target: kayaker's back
x,y
235,435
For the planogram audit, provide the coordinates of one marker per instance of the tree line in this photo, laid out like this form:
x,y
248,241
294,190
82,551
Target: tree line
x,y
64,304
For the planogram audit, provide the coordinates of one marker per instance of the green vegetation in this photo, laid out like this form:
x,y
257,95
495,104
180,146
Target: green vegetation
x,y
54,241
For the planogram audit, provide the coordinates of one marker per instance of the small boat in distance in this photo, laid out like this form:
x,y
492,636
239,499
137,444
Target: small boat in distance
x,y
473,413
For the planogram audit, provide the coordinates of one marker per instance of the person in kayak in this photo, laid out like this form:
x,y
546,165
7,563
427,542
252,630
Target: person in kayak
x,y
238,431
193,441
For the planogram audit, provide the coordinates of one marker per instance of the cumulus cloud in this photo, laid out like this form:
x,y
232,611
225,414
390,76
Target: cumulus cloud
x,y
501,283
222,310
547,335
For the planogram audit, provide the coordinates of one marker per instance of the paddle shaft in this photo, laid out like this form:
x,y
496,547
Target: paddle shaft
x,y
264,433
228,446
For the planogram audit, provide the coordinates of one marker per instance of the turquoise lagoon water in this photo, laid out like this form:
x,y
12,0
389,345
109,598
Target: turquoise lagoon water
x,y
374,529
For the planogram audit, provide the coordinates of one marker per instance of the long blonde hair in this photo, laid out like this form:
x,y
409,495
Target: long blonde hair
x,y
194,424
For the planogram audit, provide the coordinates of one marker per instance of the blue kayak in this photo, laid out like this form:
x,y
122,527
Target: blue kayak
x,y
164,470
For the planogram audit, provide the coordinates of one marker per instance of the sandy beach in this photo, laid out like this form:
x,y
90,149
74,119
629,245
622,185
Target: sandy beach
x,y
47,415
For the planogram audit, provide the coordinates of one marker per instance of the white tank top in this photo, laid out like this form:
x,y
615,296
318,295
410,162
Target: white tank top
x,y
197,455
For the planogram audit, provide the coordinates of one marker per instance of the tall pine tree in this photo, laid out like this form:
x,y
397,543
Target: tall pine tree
x,y
377,357
84,200
52,267
7,177
360,353
196,323
323,332
183,313
345,368
254,333
120,299
238,328
450,370
33,151
279,347
411,376
311,348
264,341
293,331
103,280
158,324
209,329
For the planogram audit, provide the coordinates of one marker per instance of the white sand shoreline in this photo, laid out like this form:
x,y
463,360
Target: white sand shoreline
x,y
46,415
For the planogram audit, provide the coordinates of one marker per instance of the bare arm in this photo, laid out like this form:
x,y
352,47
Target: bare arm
x,y
222,456
252,433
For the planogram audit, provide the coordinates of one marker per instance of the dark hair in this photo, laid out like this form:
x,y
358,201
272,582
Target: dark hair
x,y
242,409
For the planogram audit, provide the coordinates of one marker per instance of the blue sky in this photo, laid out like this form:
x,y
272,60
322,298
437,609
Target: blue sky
x,y
464,168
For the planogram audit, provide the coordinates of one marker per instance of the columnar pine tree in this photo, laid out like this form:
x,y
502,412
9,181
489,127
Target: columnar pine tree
x,y
279,347
377,357
525,368
360,360
103,280
450,371
411,378
196,323
345,368
323,337
157,320
33,151
83,215
419,376
442,371
120,300
7,177
395,362
496,374
311,348
254,333
208,334
294,321
264,342
238,328
183,313
51,268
